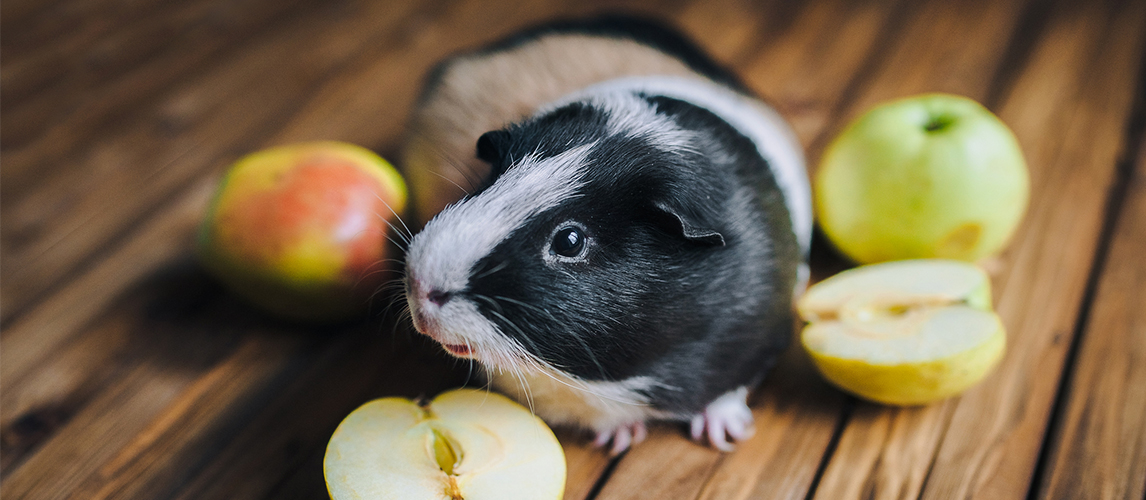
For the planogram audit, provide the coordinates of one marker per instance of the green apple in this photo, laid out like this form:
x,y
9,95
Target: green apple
x,y
935,175
302,230
905,332
463,445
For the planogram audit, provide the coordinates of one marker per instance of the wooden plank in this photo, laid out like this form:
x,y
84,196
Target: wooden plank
x,y
1043,271
1099,448
199,126
28,25
157,363
47,371
90,63
232,449
1041,295
886,452
796,414
888,444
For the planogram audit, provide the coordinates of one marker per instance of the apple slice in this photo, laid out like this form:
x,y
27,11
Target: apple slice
x,y
465,444
903,332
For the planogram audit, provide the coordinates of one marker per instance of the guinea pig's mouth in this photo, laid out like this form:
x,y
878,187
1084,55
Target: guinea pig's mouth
x,y
429,329
459,350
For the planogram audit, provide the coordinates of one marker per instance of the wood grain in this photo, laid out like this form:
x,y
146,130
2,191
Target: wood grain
x,y
125,372
1099,450
48,366
996,415
198,126
91,62
1041,294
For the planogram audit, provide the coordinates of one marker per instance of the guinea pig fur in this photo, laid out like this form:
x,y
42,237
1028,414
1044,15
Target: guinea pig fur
x,y
636,232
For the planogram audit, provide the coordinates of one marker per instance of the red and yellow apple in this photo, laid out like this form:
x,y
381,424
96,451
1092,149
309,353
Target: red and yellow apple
x,y
302,230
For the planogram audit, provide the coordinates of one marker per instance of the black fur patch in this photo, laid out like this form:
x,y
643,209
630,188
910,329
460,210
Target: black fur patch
x,y
701,318
542,137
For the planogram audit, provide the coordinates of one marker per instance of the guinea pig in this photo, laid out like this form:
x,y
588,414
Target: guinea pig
x,y
634,230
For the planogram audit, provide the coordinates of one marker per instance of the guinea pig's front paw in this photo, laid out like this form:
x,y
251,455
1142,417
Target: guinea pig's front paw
x,y
725,417
622,437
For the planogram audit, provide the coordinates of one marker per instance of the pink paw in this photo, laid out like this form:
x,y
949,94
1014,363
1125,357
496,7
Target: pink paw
x,y
622,437
726,417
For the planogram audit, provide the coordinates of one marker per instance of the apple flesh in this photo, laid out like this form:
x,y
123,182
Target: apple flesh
x,y
464,445
905,332
931,176
301,230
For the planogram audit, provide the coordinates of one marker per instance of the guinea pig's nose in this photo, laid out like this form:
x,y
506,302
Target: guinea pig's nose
x,y
439,297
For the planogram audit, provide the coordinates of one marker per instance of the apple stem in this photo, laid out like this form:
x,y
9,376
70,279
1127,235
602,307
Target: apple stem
x,y
938,123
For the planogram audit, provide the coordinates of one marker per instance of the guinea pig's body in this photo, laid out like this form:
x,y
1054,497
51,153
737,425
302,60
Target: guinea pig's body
x,y
635,231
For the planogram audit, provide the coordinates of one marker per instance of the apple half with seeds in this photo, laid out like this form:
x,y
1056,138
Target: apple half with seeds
x,y
465,444
903,332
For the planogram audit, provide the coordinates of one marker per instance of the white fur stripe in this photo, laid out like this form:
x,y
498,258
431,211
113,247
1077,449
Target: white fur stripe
x,y
775,141
453,242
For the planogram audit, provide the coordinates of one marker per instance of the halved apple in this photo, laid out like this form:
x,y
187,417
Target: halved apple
x,y
903,332
465,444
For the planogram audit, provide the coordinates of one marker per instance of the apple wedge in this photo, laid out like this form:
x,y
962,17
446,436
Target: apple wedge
x,y
903,332
465,444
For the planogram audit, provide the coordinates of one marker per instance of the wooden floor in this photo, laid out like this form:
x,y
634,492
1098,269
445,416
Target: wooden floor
x,y
127,373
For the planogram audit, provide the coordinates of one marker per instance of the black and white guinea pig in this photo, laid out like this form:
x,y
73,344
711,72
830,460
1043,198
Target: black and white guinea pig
x,y
636,227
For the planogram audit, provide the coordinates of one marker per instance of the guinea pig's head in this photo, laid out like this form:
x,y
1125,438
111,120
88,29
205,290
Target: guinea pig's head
x,y
591,230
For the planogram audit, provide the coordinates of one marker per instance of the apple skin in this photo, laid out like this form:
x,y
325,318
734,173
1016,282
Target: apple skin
x,y
301,230
930,176
904,368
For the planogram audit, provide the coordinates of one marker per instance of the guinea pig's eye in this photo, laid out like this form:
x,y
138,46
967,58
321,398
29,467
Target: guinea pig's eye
x,y
568,242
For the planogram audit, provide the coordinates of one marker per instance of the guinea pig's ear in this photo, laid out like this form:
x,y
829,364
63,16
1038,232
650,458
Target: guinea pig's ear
x,y
493,146
688,224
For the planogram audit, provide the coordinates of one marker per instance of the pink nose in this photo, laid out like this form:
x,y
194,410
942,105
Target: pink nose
x,y
439,297
433,295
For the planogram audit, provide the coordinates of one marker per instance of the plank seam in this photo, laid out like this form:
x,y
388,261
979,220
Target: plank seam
x,y
935,455
837,435
1033,22
606,474
896,23
894,27
1133,141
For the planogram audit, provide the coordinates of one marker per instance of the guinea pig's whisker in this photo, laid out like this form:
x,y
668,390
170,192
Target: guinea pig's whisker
x,y
575,383
527,306
573,334
402,245
407,235
469,366
395,300
405,240
379,270
451,181
514,370
496,268
389,286
525,387
459,165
